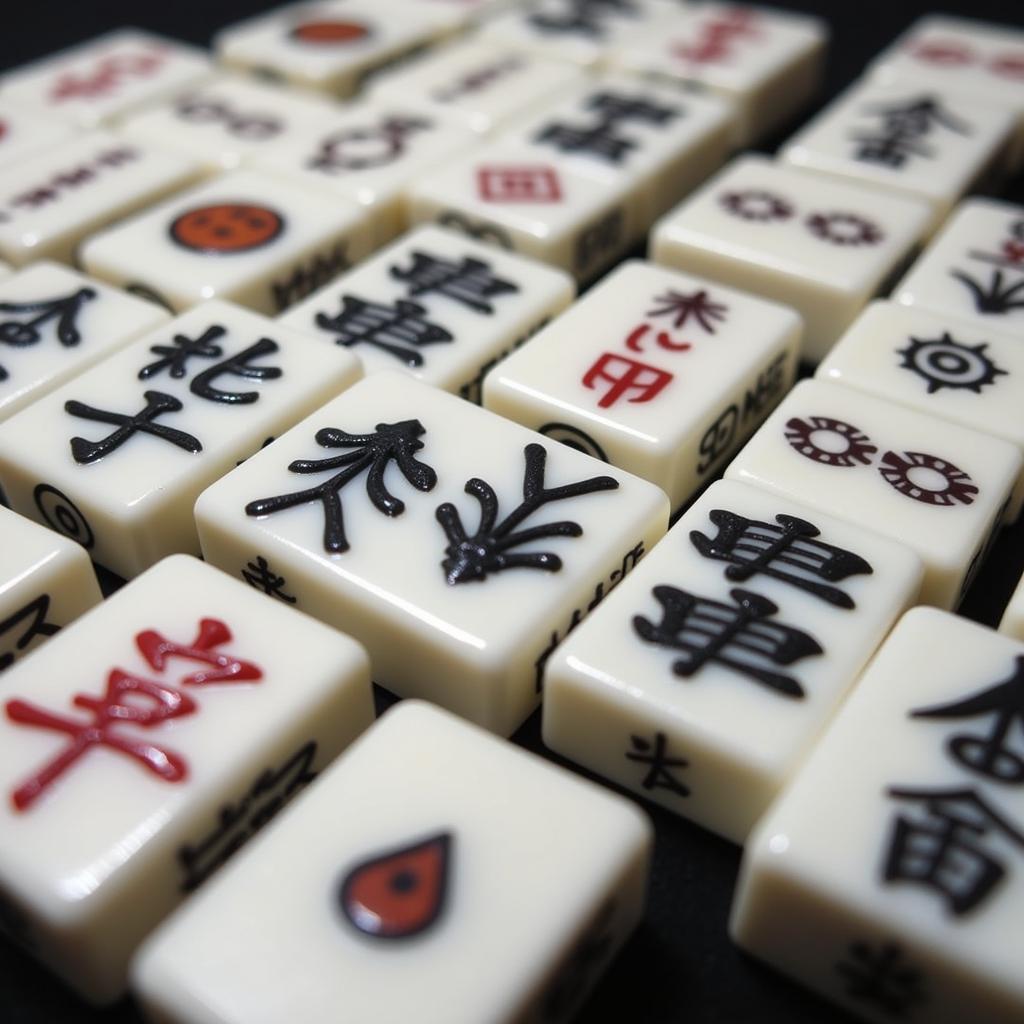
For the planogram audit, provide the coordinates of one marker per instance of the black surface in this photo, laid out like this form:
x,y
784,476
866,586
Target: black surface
x,y
679,966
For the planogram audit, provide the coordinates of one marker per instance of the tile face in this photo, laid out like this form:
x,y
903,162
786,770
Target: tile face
x,y
824,247
889,877
974,268
227,120
483,85
371,155
55,323
24,131
45,582
119,454
513,197
768,63
936,487
536,946
248,237
51,201
112,811
101,79
458,547
438,304
655,371
1013,618
932,143
704,680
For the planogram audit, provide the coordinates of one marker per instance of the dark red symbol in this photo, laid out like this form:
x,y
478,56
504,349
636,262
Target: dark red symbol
x,y
945,52
329,33
3,129
756,204
844,229
830,442
519,184
646,381
224,668
400,893
225,228
717,37
662,338
955,486
107,76
1009,65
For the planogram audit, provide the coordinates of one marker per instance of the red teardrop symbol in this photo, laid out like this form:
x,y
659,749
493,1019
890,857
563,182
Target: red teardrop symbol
x,y
401,892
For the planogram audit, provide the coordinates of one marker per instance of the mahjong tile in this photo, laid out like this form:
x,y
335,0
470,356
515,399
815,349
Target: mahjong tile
x,y
371,154
661,141
955,369
434,873
823,246
457,546
228,120
889,877
655,371
705,679
767,62
97,81
246,236
1013,617
935,144
55,323
46,581
331,46
937,487
517,197
24,131
464,13
53,199
441,305
116,457
484,85
111,812
974,268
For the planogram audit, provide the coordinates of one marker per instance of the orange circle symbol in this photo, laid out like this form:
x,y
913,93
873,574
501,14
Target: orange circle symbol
x,y
226,228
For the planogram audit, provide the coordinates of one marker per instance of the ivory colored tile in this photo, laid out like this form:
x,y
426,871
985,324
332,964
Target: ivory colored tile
x,y
510,919
974,268
824,247
706,677
113,812
442,306
246,236
937,487
24,131
119,454
464,13
51,201
46,581
442,557
55,323
658,372
889,876
768,63
98,81
1013,618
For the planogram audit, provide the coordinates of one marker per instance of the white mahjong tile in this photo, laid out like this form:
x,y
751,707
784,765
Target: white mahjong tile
x,y
661,141
55,323
937,487
5,269
464,548
116,457
767,62
331,46
24,131
53,199
1013,617
955,369
146,743
371,154
483,84
823,246
246,236
440,305
464,13
434,873
228,120
889,877
935,144
517,197
97,81
705,679
655,371
46,581
974,268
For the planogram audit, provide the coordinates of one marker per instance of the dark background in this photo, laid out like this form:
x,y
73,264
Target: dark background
x,y
680,965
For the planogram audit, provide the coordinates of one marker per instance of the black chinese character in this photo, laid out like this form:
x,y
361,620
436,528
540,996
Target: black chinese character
x,y
998,297
658,774
903,127
882,977
36,611
583,16
22,333
682,307
174,357
469,281
259,575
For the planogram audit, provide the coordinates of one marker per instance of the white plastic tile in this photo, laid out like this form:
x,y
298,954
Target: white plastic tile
x,y
1013,617
24,131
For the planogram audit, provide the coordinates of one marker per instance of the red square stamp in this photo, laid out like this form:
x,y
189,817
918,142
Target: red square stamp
x,y
519,184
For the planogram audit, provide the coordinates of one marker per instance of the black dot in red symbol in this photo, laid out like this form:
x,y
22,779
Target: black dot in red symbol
x,y
828,441
399,893
225,228
329,33
844,229
757,204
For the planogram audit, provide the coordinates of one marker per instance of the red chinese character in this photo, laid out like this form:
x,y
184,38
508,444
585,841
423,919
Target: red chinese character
x,y
520,184
648,381
117,707
1014,251
1009,65
212,633
718,35
663,339
107,76
948,53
